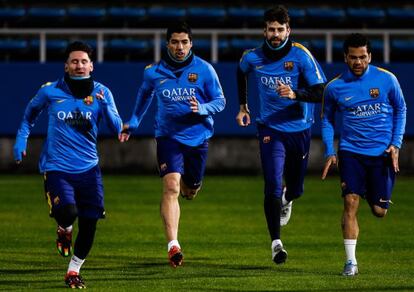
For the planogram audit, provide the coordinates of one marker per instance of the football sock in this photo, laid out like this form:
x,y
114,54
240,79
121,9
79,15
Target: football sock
x,y
350,246
172,243
85,237
272,208
276,242
75,264
284,201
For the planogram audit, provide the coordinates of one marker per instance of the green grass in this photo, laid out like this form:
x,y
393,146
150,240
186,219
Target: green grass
x,y
223,235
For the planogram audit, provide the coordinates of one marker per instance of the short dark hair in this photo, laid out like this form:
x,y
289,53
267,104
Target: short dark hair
x,y
278,13
356,40
179,27
78,46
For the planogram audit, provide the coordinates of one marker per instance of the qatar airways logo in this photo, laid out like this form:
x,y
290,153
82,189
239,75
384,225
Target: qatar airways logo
x,y
179,94
77,115
271,82
366,110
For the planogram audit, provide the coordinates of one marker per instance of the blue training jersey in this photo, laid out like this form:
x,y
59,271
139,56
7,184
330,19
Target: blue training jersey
x,y
372,110
298,69
72,131
174,117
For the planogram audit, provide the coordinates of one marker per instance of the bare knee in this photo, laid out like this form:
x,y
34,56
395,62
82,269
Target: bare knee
x,y
171,186
378,211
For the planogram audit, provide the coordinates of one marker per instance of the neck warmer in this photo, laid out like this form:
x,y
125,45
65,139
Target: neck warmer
x,y
275,54
80,88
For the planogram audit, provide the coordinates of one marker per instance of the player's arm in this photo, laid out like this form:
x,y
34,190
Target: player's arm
x,y
328,130
399,120
143,101
243,117
216,101
31,113
312,73
109,110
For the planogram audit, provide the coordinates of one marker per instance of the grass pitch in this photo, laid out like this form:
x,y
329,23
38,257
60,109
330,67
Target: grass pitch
x,y
223,235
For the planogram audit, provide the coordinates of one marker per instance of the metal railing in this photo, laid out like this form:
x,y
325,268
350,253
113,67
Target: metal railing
x,y
214,34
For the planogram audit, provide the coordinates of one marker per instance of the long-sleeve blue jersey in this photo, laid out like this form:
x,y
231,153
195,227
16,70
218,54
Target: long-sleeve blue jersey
x,y
372,110
72,131
174,117
298,69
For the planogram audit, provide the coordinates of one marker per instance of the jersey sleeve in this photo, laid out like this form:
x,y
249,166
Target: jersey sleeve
x,y
244,64
311,70
214,91
35,107
110,112
328,121
143,100
397,101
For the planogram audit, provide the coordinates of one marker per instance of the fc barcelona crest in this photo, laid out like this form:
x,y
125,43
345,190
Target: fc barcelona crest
x,y
192,77
88,100
374,92
288,66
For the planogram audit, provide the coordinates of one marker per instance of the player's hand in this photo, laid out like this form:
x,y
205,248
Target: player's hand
x,y
101,96
285,91
394,153
331,160
19,151
124,135
194,104
243,117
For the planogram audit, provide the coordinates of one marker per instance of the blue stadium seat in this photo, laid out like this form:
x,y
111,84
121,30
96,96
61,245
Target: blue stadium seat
x,y
51,44
125,16
365,16
128,44
321,17
82,16
400,17
245,16
12,44
297,16
161,16
402,50
206,16
11,15
244,44
44,16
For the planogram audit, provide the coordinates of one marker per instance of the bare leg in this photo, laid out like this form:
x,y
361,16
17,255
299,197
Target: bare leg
x,y
170,208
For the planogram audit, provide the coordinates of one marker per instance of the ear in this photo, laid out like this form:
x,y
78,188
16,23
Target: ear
x,y
287,30
66,67
369,58
91,66
345,58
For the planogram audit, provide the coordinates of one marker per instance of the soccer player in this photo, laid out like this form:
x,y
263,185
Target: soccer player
x,y
75,105
188,93
289,81
373,113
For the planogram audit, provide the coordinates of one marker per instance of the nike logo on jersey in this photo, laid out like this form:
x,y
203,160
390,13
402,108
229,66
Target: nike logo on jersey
x,y
348,98
385,201
304,156
60,100
259,67
163,81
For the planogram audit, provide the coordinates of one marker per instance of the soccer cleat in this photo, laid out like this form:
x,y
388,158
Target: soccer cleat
x,y
175,256
350,269
64,242
74,280
189,196
285,211
279,254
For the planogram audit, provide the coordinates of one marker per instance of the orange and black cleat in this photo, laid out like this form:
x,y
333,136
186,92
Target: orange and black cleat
x,y
175,256
64,242
74,280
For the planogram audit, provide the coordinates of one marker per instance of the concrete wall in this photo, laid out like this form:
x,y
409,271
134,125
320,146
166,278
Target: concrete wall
x,y
226,156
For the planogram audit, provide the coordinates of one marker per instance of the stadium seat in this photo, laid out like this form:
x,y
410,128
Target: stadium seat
x,y
85,16
119,49
125,16
245,17
365,17
44,16
325,16
162,16
13,49
10,16
402,50
297,17
206,16
400,17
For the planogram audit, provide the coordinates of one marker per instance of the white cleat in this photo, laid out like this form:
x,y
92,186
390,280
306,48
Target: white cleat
x,y
285,213
279,254
350,269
